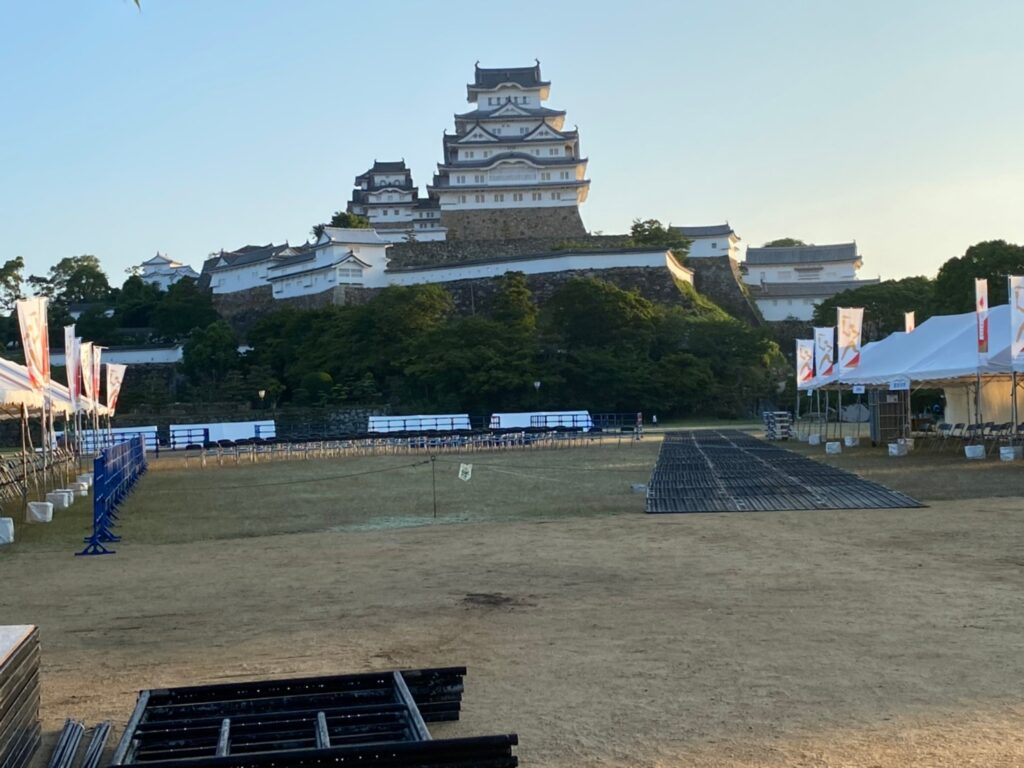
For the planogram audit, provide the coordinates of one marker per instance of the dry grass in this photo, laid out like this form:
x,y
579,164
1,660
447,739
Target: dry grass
x,y
603,636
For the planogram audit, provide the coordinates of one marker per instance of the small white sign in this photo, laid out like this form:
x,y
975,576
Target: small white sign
x,y
899,385
465,472
858,389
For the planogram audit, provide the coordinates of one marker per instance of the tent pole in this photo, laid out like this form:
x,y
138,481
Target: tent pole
x,y
1013,406
977,403
24,455
839,414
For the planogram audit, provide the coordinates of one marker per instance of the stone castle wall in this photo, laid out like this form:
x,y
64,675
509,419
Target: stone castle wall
x,y
510,223
719,279
473,296
443,252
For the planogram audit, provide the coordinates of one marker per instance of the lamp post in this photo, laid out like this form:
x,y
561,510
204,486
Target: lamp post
x,y
262,393
536,389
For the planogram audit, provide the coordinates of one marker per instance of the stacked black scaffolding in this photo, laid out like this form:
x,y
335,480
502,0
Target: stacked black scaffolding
x,y
374,719
19,695
778,425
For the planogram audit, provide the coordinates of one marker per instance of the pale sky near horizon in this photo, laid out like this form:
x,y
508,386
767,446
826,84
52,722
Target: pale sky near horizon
x,y
197,125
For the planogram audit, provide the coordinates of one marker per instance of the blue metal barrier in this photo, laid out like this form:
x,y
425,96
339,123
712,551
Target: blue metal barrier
x,y
115,472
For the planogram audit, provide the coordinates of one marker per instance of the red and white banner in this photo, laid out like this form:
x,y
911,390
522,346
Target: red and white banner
x,y
981,313
35,340
71,363
97,352
851,321
825,352
115,376
804,363
1017,319
85,357
909,323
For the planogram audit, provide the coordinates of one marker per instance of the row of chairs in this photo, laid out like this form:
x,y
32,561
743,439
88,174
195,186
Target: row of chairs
x,y
989,434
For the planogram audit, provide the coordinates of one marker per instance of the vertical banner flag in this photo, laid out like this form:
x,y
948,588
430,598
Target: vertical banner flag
x,y
71,363
1016,319
804,363
981,313
35,340
96,353
85,357
115,375
908,322
851,319
825,352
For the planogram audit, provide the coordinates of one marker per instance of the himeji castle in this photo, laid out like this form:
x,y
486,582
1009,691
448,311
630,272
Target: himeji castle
x,y
386,195
511,169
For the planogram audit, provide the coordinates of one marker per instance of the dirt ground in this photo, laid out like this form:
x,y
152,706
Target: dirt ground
x,y
602,636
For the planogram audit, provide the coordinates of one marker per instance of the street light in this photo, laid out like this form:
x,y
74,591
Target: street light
x,y
262,393
536,389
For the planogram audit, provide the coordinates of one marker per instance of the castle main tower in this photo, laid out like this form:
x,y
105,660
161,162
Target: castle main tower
x,y
510,170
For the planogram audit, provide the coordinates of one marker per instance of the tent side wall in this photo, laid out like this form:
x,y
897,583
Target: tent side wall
x,y
996,406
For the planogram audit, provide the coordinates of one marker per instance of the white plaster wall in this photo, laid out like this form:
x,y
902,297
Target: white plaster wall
x,y
450,199
140,356
230,280
719,245
773,310
787,273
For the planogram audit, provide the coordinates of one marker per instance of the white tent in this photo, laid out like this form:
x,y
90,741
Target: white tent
x,y
944,348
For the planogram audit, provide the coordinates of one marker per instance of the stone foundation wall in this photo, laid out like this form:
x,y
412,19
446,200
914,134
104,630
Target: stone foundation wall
x,y
512,223
474,296
719,279
243,309
454,251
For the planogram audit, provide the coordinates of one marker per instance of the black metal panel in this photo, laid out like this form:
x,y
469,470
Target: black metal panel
x,y
19,695
340,719
730,471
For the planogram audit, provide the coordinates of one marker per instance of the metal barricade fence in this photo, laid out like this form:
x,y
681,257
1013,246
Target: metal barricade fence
x,y
116,470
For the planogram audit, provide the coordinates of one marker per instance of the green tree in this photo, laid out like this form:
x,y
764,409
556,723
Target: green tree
x,y
884,305
512,304
652,232
11,279
73,280
343,220
784,242
209,354
184,307
136,302
992,259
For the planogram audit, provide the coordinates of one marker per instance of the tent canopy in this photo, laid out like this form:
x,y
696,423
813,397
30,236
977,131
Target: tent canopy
x,y
944,348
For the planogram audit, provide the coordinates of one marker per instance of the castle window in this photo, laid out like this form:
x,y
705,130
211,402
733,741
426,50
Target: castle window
x,y
462,198
460,179
537,195
479,179
714,245
556,195
545,176
553,151
499,198
517,197
479,198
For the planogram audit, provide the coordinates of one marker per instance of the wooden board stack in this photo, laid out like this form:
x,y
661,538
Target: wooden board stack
x,y
19,695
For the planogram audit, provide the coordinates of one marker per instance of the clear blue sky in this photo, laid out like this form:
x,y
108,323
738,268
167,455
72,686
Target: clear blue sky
x,y
199,124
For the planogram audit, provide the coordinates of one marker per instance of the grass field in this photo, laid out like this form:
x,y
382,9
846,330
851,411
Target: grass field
x,y
601,635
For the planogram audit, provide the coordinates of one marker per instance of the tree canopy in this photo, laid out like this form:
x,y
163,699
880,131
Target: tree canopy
x,y
344,220
992,259
884,305
784,242
73,280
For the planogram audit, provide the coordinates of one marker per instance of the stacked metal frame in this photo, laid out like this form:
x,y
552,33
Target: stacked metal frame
x,y
19,695
372,719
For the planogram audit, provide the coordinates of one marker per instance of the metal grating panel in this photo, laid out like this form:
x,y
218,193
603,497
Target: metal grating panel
x,y
374,719
730,471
